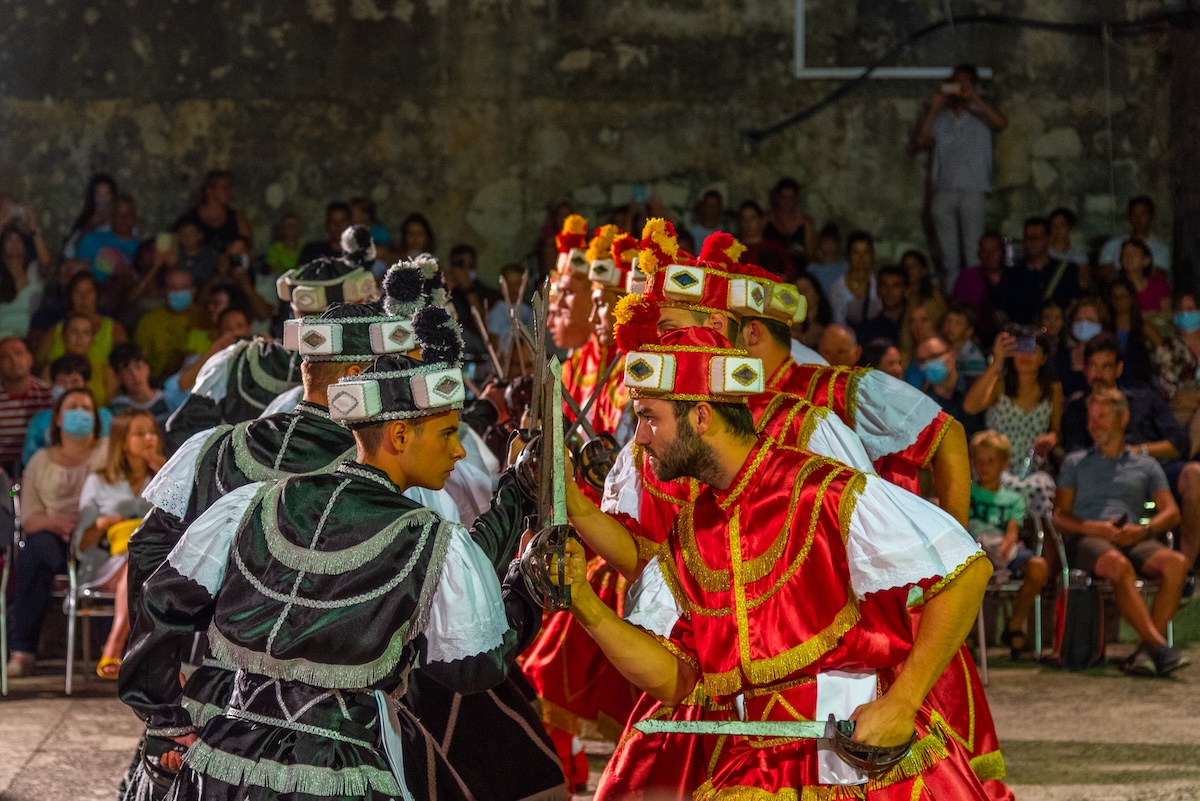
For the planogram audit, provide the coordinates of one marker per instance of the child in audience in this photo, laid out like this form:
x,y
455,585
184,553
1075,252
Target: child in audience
x,y
995,520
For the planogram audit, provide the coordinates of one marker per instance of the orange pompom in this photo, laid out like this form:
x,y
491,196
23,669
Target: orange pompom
x,y
636,319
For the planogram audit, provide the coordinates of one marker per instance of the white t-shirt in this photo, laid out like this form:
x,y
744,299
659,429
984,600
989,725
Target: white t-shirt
x,y
847,309
107,497
1111,252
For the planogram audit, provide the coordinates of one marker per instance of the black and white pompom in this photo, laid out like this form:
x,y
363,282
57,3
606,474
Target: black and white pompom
x,y
357,246
403,289
439,336
322,268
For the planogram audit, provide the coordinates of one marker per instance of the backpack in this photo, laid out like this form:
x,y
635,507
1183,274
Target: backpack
x,y
1079,639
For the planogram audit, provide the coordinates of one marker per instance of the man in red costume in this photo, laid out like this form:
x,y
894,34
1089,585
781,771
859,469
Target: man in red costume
x,y
885,414
784,589
570,288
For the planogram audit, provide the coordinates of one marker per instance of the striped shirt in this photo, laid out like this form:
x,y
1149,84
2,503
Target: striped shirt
x,y
15,412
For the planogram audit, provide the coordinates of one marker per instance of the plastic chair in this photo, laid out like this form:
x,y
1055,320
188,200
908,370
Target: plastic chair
x,y
82,603
1007,589
9,520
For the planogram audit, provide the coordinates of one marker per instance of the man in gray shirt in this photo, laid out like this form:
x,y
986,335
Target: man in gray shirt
x,y
957,128
1101,496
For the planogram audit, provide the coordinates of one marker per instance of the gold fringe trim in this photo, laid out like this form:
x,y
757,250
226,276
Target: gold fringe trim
x,y
554,716
989,766
941,584
677,652
937,441
814,417
854,376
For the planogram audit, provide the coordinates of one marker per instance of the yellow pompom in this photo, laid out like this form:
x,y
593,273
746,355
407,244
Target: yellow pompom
x,y
623,311
601,244
575,224
735,250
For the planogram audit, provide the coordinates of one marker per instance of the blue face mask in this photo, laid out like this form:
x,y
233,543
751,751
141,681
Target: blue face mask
x,y
1085,330
78,423
1188,321
179,299
935,371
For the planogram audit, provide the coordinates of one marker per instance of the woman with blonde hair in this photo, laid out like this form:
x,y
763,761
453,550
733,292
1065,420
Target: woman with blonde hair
x,y
110,508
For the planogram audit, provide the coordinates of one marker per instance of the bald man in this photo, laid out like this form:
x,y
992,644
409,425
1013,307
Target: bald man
x,y
839,346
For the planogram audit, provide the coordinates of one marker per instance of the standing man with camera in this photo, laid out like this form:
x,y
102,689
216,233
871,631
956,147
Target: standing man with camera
x,y
957,129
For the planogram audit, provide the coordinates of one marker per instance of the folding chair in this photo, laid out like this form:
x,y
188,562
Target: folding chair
x,y
1008,589
82,603
9,517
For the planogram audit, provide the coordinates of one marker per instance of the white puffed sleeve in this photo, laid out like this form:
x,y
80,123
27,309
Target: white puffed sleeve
x,y
470,487
212,381
171,487
833,438
478,453
897,539
890,414
623,486
203,550
803,354
284,402
650,604
467,615
437,500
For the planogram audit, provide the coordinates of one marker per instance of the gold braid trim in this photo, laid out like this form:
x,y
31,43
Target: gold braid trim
x,y
710,579
849,502
989,766
811,421
637,393
937,441
554,716
770,671
941,585
676,651
667,568
852,392
926,753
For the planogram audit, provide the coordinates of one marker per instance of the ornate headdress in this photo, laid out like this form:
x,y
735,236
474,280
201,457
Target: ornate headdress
x,y
571,241
689,364
397,387
313,287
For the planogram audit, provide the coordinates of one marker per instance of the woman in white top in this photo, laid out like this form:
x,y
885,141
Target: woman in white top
x,y
20,284
50,490
110,507
852,297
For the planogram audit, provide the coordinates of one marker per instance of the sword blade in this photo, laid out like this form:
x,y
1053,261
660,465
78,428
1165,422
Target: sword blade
x,y
798,729
552,500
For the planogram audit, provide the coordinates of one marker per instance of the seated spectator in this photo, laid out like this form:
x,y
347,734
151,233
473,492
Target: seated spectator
x,y
233,325
194,254
1087,318
1177,366
883,356
995,520
237,274
977,285
337,219
163,333
513,282
888,323
922,284
708,216
1102,494
853,297
110,508
82,297
1151,430
957,328
362,212
1019,398
808,331
66,372
80,340
133,377
1051,321
283,254
22,395
1141,227
110,253
467,293
50,490
938,378
24,217
827,264
1036,277
219,222
838,346
416,236
96,214
20,284
1062,225
787,222
1131,331
1153,291
770,254
920,323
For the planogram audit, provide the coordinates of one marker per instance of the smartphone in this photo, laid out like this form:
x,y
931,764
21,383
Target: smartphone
x,y
951,88
1121,521
164,242
1026,344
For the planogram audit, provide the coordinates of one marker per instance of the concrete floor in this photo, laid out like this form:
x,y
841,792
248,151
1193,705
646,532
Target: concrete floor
x,y
1096,736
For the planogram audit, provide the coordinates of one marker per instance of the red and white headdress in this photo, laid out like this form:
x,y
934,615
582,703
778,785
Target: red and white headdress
x,y
572,244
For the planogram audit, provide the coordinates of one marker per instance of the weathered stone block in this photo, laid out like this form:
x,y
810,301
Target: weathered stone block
x,y
1063,143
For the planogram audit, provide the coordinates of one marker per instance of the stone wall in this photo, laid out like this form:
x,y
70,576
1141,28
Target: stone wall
x,y
482,112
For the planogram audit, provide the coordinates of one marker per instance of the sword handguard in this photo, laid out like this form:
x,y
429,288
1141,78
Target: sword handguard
x,y
874,759
595,459
536,563
152,751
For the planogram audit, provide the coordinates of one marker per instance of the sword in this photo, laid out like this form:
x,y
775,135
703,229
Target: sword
x,y
487,342
764,729
582,417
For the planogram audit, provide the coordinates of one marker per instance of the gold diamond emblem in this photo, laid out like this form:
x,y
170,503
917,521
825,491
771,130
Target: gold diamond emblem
x,y
400,335
641,370
599,268
446,387
756,294
787,300
745,375
684,280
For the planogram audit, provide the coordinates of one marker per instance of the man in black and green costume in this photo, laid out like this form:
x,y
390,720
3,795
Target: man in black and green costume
x,y
326,590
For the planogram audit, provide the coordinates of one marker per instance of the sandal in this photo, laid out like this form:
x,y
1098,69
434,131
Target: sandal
x,y
1016,641
109,668
20,665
